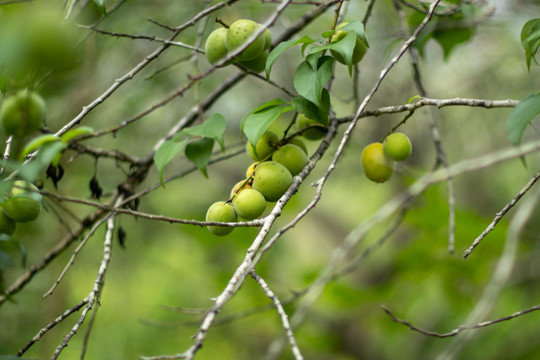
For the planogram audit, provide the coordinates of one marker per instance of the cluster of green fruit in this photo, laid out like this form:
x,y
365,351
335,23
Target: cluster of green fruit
x,y
21,206
23,113
379,159
267,179
222,41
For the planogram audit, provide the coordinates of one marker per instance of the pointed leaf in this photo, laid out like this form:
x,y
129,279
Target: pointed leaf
x,y
306,107
255,123
101,6
530,39
165,153
527,109
279,49
199,153
38,142
83,130
213,128
31,170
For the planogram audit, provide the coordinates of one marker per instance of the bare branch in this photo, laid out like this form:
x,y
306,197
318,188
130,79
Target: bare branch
x,y
284,318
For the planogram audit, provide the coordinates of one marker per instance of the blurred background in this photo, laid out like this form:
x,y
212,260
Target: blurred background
x,y
166,269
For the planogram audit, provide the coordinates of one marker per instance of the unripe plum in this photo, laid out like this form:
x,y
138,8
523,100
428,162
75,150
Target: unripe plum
x,y
377,166
265,146
249,204
23,114
239,32
292,157
397,146
296,141
272,180
359,46
316,131
223,212
256,65
215,47
267,39
24,204
7,226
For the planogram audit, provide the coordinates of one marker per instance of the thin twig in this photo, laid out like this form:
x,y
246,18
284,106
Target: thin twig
x,y
283,315
95,294
501,214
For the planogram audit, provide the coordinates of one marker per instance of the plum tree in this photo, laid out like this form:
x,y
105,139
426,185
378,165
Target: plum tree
x,y
265,146
249,204
24,204
223,212
377,166
292,157
397,146
23,114
237,35
272,180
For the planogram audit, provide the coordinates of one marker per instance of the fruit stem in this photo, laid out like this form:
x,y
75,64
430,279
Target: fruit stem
x,y
220,21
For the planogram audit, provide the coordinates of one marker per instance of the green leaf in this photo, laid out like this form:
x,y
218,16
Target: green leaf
x,y
37,143
165,153
309,81
358,28
83,130
306,107
31,170
101,6
199,153
279,49
213,128
530,39
527,109
256,122
449,38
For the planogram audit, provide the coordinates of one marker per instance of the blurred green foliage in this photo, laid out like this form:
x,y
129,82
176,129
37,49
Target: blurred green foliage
x,y
164,269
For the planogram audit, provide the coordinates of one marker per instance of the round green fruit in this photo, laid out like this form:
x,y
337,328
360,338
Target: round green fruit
x,y
223,212
377,166
7,226
249,204
237,35
316,131
24,205
296,141
397,146
256,65
23,114
359,47
292,157
265,146
272,180
215,47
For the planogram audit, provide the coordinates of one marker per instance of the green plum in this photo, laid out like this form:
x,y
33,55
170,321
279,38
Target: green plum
x,y
237,35
249,204
272,180
223,212
377,166
292,157
23,114
215,47
265,146
316,131
7,226
397,146
256,65
24,204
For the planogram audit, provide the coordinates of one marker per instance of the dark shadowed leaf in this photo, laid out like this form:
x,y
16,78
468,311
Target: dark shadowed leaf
x,y
199,153
213,128
165,153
